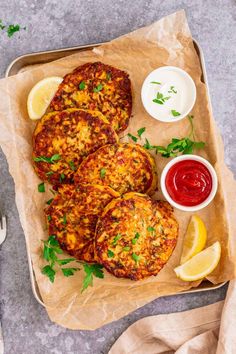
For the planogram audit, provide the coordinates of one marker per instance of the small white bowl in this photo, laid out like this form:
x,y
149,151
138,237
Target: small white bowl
x,y
213,176
182,100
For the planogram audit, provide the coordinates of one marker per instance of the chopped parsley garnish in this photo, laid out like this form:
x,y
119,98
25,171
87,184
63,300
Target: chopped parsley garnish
x,y
135,257
49,201
108,76
160,99
98,88
62,177
172,90
49,218
175,113
102,172
41,187
126,248
135,239
141,131
82,85
64,221
49,173
110,253
72,165
116,239
150,229
155,82
51,159
133,137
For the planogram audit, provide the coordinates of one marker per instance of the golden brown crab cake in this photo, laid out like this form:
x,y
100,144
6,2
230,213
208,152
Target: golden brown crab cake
x,y
61,141
123,167
135,236
97,86
72,217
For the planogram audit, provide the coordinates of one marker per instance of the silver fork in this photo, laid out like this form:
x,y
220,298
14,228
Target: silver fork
x,y
3,229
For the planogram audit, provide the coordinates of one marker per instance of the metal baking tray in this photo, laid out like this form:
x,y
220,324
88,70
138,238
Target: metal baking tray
x,y
31,60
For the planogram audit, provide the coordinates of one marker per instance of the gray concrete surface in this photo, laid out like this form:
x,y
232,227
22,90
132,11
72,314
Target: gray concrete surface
x,y
55,24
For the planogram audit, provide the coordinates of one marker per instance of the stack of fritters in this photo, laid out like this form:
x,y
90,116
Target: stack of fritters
x,y
76,149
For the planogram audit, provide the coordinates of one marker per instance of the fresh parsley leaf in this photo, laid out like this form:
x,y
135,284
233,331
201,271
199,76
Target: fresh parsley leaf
x,y
160,99
141,131
155,100
150,229
42,159
98,88
172,90
51,159
175,113
177,146
11,29
62,177
135,239
55,157
135,257
41,187
49,201
50,251
155,82
1,25
103,172
49,272
126,248
72,165
110,253
49,173
64,219
90,270
108,76
147,145
49,218
82,85
65,261
116,239
67,272
133,137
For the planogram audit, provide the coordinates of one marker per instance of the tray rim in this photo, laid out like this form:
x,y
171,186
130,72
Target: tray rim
x,y
70,51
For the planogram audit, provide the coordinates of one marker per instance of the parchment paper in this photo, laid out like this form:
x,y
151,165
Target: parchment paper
x,y
166,42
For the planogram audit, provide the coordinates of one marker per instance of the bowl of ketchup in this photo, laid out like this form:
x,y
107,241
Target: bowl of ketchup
x,y
189,182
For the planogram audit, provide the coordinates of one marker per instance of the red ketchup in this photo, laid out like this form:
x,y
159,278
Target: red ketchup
x,y
188,182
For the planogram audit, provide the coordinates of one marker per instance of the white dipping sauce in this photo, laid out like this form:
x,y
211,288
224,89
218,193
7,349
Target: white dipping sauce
x,y
175,89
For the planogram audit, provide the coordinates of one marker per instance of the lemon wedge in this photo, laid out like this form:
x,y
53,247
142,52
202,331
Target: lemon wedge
x,y
200,265
41,95
195,238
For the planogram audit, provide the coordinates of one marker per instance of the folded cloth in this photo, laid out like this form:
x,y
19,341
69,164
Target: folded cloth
x,y
205,330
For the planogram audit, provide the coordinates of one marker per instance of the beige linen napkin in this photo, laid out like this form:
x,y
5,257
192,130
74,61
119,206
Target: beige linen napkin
x,y
206,330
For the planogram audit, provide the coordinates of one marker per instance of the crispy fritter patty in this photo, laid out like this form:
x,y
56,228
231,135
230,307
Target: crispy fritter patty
x,y
135,236
68,136
72,217
97,86
123,167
